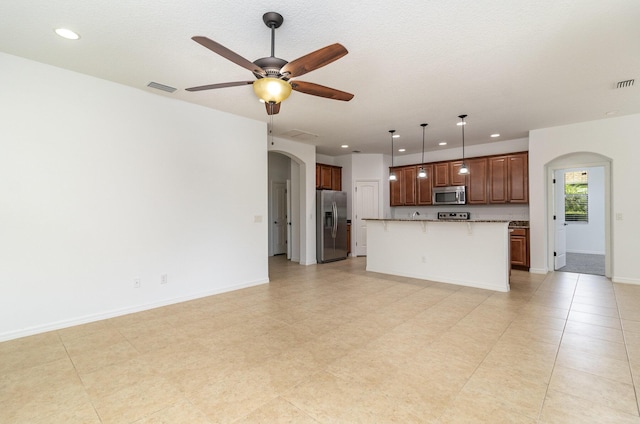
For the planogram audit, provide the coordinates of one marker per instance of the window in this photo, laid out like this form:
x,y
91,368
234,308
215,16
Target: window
x,y
576,196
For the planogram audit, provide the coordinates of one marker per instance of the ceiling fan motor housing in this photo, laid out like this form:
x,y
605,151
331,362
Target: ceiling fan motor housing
x,y
271,66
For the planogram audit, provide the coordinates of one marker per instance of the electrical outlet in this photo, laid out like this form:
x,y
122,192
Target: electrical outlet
x,y
164,279
136,283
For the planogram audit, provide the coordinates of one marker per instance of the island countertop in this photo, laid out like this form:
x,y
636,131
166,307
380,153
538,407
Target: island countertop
x,y
437,220
442,250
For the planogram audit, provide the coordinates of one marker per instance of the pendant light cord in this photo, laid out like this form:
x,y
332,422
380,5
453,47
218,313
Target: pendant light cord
x,y
423,128
462,125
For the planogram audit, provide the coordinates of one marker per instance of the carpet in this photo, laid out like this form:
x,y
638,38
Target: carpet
x,y
584,263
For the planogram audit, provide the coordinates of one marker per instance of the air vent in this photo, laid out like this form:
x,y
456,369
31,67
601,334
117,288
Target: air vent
x,y
161,87
625,84
299,135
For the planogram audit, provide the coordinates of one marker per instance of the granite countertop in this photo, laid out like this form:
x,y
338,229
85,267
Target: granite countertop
x,y
437,220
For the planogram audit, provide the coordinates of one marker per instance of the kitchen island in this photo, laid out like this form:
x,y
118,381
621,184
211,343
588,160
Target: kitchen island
x,y
472,253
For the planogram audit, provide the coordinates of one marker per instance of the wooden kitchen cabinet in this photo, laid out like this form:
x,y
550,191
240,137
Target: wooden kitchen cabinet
x,y
328,177
509,178
497,181
518,178
403,189
424,192
441,174
477,181
455,179
519,242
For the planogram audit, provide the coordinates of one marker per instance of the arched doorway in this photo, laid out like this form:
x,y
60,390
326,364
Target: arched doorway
x,y
556,222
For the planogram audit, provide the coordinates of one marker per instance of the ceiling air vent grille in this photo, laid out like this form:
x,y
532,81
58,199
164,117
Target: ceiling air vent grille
x,y
624,84
300,135
161,87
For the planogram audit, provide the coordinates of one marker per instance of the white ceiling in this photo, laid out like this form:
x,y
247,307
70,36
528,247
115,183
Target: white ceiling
x,y
511,65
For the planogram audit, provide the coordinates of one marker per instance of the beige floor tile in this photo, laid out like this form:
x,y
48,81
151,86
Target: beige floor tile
x,y
233,397
136,401
595,331
598,390
30,351
470,409
277,411
178,413
334,343
602,366
507,390
594,346
327,398
563,408
90,360
595,319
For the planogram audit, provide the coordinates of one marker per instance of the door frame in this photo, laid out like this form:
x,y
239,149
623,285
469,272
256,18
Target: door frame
x,y
580,160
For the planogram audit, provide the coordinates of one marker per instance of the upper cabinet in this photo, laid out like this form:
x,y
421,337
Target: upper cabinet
x,y
328,177
509,178
518,173
403,190
446,174
477,181
424,187
491,180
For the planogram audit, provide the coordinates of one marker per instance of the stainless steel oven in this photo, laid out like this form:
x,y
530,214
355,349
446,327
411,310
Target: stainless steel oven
x,y
455,195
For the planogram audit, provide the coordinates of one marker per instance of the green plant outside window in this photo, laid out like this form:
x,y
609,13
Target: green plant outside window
x,y
576,196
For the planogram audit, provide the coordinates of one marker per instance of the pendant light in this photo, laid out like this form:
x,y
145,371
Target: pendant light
x,y
422,173
463,169
392,175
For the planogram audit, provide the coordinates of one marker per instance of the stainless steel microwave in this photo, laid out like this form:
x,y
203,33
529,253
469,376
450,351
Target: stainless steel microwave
x,y
455,195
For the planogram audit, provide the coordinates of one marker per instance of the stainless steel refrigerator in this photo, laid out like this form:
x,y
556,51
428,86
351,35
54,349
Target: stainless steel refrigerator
x,y
331,225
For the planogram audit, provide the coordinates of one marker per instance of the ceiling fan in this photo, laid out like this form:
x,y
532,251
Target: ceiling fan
x,y
275,76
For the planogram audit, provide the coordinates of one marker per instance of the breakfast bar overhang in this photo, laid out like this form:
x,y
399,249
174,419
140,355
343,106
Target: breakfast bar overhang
x,y
468,253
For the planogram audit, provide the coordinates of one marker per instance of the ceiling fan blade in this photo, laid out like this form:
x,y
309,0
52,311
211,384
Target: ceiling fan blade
x,y
228,54
321,91
272,108
221,85
314,60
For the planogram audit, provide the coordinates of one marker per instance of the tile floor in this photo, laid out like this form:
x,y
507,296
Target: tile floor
x,y
334,344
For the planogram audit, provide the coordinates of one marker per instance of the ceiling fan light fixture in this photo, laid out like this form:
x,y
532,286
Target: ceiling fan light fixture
x,y
271,89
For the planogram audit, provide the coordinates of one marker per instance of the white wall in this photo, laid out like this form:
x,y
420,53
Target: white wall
x,y
588,237
102,184
614,138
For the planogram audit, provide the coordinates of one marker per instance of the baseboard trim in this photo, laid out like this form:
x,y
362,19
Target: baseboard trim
x,y
624,280
58,325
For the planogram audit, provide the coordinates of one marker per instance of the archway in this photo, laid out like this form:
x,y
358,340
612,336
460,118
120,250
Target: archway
x,y
574,161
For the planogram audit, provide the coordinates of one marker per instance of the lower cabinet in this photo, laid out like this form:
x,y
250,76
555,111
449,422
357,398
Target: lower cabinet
x,y
519,241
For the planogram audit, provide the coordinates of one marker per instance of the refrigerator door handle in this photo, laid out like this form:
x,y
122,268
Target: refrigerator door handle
x,y
334,231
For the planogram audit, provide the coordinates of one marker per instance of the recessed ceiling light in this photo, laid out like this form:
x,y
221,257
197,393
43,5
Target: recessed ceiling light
x,y
442,143
402,150
495,135
345,146
396,136
67,33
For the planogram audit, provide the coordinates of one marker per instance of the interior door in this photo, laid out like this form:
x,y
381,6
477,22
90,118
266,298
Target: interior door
x,y
560,257
366,206
279,218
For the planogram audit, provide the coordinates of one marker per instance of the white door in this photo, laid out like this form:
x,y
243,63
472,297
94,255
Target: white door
x,y
366,206
560,256
279,218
